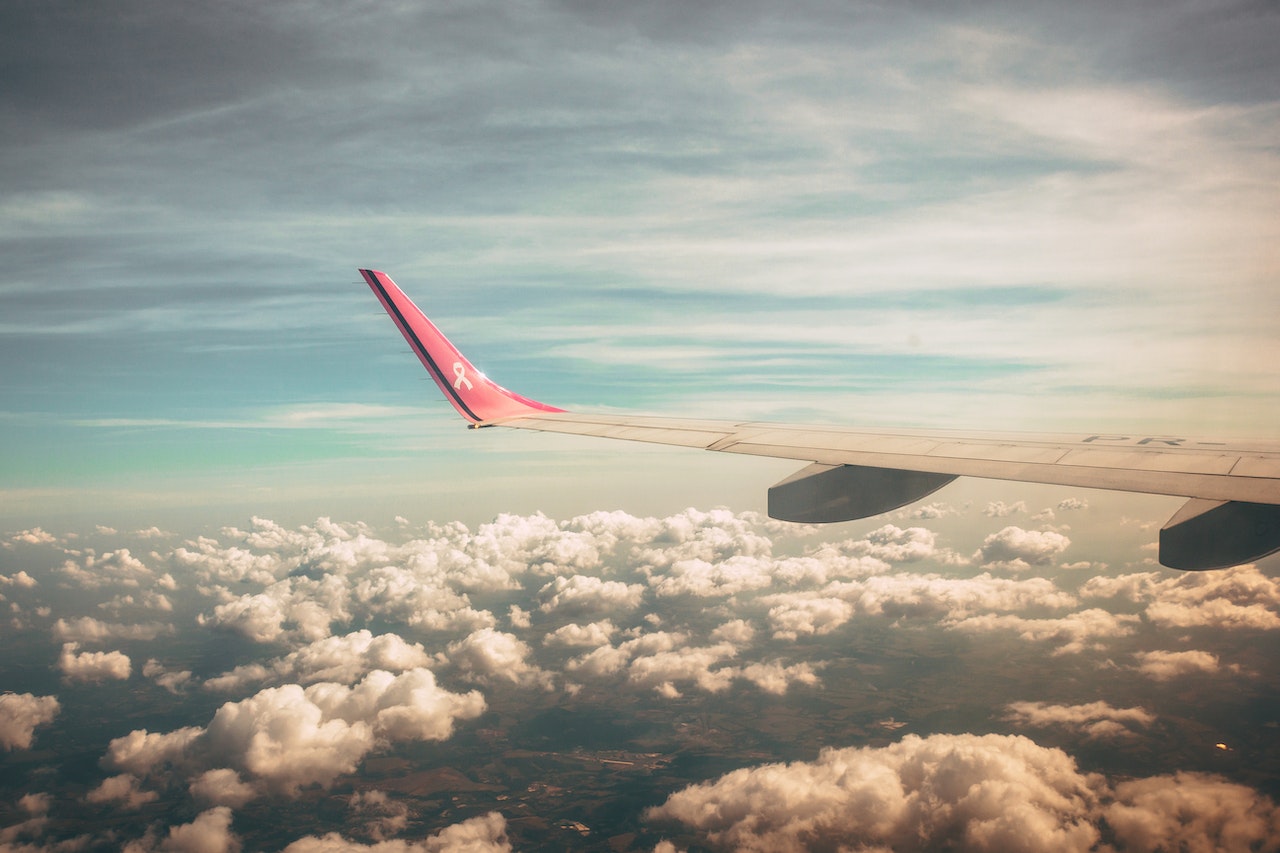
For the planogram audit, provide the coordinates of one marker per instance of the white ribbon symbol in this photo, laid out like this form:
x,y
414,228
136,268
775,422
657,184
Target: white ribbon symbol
x,y
460,376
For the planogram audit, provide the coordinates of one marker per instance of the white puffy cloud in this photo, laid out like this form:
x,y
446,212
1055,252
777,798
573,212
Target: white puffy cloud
x,y
587,592
89,630
143,753
93,570
930,511
36,806
33,536
1095,720
608,660
221,786
147,599
93,666
20,579
519,617
1166,666
970,792
383,816
775,677
736,631
172,681
342,659
208,561
1000,509
711,536
956,598
1231,599
123,790
698,577
21,714
966,793
291,609
488,656
284,738
484,834
1074,633
794,614
1217,613
663,670
574,635
1192,811
1017,549
210,832
892,544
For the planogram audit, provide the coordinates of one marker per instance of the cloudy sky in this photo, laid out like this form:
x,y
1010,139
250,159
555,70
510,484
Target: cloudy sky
x,y
1053,217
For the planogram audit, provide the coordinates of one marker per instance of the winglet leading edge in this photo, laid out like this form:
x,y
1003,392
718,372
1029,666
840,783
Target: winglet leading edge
x,y
476,398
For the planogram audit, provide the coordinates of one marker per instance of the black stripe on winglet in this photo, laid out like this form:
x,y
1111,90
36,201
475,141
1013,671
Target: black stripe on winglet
x,y
417,344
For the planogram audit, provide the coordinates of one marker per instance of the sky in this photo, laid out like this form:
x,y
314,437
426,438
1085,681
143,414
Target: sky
x,y
993,215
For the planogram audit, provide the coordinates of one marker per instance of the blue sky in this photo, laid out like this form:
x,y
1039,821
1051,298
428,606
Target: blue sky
x,y
262,590
1057,219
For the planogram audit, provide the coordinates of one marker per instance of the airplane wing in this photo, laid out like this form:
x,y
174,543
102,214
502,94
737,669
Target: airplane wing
x,y
1232,515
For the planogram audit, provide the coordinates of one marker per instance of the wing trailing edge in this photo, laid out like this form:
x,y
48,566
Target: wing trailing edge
x,y
1232,515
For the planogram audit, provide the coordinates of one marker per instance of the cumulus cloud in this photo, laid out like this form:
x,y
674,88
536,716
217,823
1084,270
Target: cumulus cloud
x,y
1018,549
93,571
21,714
341,659
795,614
221,787
931,511
173,681
1095,720
987,793
586,592
590,635
295,608
484,834
969,793
737,631
20,579
1166,666
33,536
210,832
891,544
383,816
93,666
123,791
704,579
1229,599
775,677
89,630
1073,633
663,670
1191,811
488,656
285,738
1000,509
956,598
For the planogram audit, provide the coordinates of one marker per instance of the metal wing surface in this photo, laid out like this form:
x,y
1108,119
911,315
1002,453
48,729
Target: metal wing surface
x,y
1232,515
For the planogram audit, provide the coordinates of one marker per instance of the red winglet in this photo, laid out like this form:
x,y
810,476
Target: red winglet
x,y
474,396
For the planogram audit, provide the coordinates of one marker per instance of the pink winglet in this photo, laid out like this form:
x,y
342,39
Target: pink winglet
x,y
475,397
